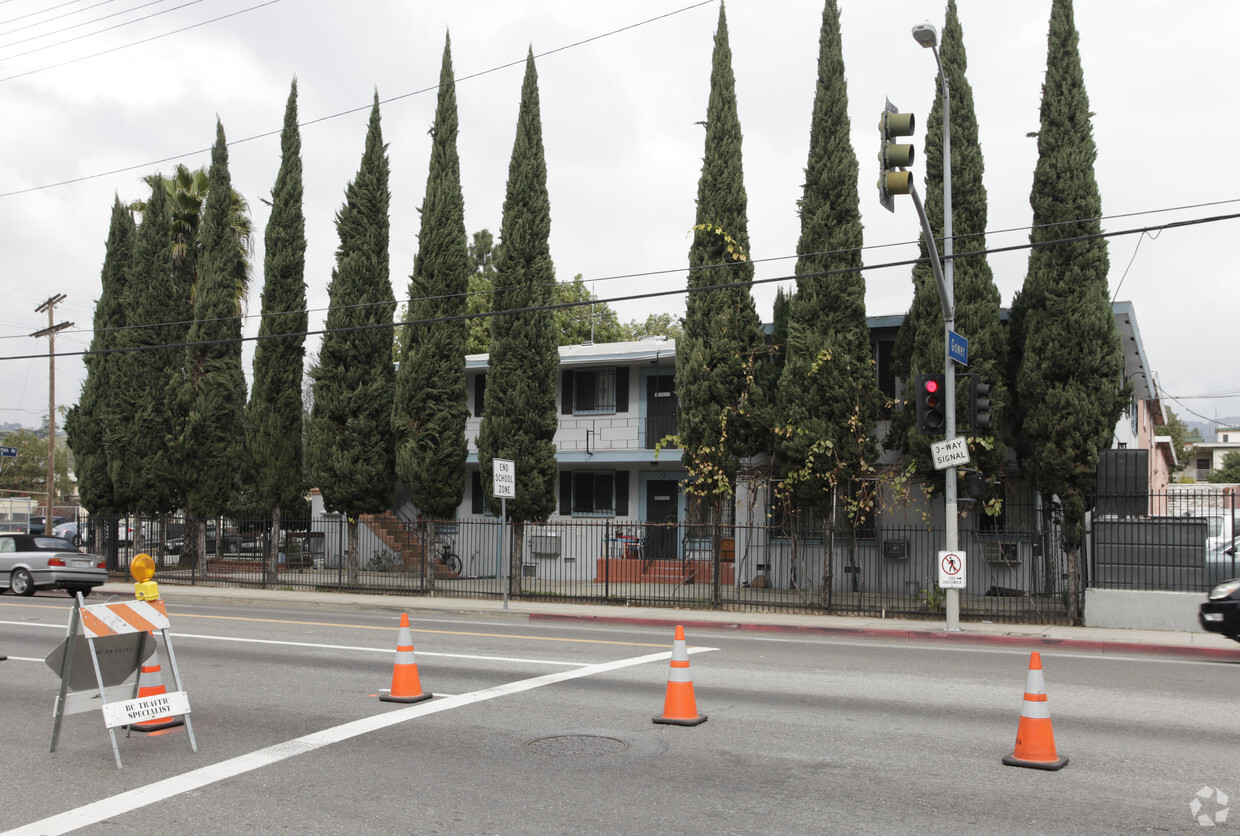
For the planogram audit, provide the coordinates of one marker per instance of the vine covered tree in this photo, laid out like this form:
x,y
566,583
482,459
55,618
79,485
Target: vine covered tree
x,y
827,390
519,415
352,453
1070,387
719,358
277,473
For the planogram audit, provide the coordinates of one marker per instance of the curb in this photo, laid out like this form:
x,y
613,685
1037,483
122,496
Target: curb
x,y
910,636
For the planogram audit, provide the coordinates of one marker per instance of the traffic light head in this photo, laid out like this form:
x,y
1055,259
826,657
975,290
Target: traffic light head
x,y
931,419
894,155
979,405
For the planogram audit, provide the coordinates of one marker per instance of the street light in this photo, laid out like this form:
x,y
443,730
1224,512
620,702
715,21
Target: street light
x,y
926,35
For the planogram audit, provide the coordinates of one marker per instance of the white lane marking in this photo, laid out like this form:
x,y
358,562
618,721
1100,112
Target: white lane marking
x,y
127,802
23,659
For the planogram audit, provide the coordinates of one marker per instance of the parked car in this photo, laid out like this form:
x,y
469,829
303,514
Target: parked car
x,y
38,524
231,543
69,531
1221,611
37,561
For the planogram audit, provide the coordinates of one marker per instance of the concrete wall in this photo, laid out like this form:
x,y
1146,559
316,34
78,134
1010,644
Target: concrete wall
x,y
1138,610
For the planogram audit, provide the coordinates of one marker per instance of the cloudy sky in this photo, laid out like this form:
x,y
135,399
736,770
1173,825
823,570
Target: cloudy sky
x,y
94,95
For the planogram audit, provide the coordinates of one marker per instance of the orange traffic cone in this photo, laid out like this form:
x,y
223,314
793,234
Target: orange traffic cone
x,y
1035,740
151,684
680,708
406,687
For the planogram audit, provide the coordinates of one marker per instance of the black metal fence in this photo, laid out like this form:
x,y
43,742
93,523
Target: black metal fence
x,y
886,571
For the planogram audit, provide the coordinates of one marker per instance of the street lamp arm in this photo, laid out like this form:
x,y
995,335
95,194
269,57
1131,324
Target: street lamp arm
x,y
945,298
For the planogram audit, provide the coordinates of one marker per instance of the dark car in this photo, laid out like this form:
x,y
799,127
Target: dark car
x,y
231,543
36,561
38,525
1221,613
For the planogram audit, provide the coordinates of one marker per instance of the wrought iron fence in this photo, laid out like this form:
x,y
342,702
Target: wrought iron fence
x,y
886,571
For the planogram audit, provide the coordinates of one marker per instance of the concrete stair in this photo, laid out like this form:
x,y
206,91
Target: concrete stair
x,y
405,541
636,570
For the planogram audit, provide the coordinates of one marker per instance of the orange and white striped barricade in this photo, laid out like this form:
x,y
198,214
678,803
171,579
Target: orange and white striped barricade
x,y
115,639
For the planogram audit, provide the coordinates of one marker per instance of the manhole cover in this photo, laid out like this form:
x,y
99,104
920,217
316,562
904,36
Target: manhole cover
x,y
576,746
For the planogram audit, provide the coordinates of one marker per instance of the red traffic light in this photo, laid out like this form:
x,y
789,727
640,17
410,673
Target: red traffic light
x,y
932,385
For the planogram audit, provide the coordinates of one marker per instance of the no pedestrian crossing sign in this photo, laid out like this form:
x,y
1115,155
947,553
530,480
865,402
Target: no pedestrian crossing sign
x,y
951,570
504,472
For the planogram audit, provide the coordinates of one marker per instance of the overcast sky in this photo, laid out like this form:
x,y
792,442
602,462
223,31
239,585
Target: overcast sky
x,y
85,114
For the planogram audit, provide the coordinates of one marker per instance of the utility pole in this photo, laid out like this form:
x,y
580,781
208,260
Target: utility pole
x,y
50,333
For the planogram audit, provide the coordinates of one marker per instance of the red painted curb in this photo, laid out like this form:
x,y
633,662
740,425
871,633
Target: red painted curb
x,y
895,634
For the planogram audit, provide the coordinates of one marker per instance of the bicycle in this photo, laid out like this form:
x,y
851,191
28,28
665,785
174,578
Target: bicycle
x,y
442,552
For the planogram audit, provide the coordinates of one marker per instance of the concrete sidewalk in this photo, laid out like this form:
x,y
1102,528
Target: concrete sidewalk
x,y
1034,636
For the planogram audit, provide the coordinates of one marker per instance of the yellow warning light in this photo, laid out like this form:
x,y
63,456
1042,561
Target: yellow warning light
x,y
142,568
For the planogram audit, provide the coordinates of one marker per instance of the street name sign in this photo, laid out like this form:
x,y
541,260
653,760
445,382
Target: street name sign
x,y
504,472
950,453
958,348
8,452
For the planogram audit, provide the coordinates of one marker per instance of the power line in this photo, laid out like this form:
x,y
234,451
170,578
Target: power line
x,y
331,116
88,23
127,46
649,295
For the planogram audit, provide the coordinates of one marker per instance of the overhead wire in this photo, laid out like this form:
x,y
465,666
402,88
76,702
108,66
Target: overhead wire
x,y
637,296
88,23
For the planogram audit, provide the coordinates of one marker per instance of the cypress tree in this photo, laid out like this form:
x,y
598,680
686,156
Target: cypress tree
x,y
87,423
430,412
519,415
718,358
275,409
919,345
828,397
352,455
213,389
1070,380
146,467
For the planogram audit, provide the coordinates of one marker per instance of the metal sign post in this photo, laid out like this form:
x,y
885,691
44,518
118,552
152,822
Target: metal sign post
x,y
504,487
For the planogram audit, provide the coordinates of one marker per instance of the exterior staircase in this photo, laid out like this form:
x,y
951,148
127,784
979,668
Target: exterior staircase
x,y
405,540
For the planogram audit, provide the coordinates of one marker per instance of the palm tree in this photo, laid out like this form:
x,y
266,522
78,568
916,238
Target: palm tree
x,y
187,190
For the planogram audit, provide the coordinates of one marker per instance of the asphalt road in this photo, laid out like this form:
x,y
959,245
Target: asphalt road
x,y
545,727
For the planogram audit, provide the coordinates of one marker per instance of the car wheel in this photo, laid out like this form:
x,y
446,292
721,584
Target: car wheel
x,y
77,540
74,590
21,583
232,547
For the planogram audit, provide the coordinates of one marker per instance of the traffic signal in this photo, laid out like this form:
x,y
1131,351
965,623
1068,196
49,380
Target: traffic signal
x,y
931,419
894,155
979,405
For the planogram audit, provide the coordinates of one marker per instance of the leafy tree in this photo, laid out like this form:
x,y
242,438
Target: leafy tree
x,y
352,455
655,325
28,472
142,466
919,345
827,389
212,391
1178,431
274,414
430,411
481,283
87,423
718,358
1070,379
519,416
595,322
1228,473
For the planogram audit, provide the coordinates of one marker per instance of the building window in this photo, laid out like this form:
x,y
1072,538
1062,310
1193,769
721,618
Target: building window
x,y
594,391
594,493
